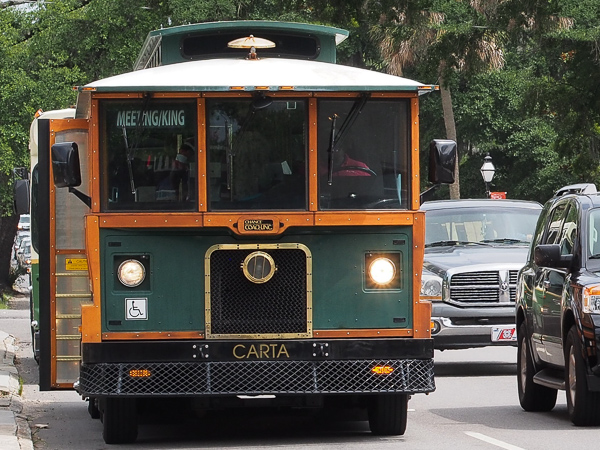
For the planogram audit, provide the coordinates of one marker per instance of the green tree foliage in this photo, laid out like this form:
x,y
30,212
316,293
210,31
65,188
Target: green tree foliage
x,y
537,114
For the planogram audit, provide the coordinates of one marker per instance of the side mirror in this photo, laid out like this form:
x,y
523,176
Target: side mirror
x,y
442,160
65,165
22,197
548,255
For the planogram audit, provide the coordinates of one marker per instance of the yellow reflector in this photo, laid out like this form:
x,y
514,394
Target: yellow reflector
x,y
382,370
286,88
236,88
139,373
261,88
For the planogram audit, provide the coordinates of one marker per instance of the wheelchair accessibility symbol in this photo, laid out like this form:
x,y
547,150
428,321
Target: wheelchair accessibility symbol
x,y
136,309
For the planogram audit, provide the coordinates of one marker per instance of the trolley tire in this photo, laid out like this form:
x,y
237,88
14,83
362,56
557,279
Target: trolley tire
x,y
583,405
93,408
532,396
388,414
120,425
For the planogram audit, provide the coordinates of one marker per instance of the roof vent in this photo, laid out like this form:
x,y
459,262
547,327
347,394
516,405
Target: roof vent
x,y
581,188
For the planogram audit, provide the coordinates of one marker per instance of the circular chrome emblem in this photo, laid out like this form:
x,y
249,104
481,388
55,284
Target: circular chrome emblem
x,y
259,267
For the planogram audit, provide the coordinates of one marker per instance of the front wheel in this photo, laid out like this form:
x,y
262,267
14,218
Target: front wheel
x,y
119,420
532,397
583,405
388,414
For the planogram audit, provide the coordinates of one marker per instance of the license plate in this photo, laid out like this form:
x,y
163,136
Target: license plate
x,y
504,334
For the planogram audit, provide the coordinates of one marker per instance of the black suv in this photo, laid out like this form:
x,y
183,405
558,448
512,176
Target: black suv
x,y
558,308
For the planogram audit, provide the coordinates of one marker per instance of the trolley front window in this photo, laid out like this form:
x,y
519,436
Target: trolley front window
x,y
363,153
257,154
149,155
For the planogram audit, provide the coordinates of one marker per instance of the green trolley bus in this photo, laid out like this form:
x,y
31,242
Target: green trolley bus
x,y
236,219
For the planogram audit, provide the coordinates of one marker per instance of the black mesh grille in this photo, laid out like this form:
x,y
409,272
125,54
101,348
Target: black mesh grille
x,y
258,377
239,306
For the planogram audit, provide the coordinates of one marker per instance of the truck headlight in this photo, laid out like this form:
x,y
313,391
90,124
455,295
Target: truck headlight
x,y
131,273
431,286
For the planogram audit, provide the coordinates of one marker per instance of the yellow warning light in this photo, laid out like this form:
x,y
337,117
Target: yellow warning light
x,y
382,370
139,373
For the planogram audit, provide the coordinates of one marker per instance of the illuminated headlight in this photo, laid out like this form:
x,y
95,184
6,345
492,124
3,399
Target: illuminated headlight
x,y
431,285
131,273
382,270
591,299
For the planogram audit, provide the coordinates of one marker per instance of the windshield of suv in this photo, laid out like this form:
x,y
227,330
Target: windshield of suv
x,y
468,225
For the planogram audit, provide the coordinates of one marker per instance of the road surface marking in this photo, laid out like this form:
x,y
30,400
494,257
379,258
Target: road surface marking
x,y
489,440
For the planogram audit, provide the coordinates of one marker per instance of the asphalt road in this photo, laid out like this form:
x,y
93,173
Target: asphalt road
x,y
475,406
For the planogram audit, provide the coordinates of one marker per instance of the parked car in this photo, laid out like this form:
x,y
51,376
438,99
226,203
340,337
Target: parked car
x,y
21,234
558,308
24,254
24,222
473,252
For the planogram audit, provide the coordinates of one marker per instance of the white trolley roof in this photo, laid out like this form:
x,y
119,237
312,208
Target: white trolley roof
x,y
270,74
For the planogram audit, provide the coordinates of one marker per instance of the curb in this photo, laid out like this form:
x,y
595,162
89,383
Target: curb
x,y
15,433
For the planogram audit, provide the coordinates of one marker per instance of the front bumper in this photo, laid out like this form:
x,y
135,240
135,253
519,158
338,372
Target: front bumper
x,y
461,328
217,368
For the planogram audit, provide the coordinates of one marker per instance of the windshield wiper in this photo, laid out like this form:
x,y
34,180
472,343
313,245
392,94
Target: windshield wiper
x,y
596,256
331,145
336,138
450,243
506,241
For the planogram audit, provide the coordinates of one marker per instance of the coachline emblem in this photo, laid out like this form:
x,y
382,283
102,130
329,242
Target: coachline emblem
x,y
258,225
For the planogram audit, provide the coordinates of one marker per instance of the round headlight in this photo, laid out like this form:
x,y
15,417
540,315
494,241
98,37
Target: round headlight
x,y
382,271
131,273
431,285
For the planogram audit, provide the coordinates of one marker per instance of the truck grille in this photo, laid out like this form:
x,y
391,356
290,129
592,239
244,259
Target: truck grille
x,y
280,307
484,287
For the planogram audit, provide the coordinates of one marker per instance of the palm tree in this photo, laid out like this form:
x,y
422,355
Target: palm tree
x,y
411,37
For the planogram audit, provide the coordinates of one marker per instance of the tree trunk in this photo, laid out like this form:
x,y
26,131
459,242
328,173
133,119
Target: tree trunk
x,y
450,134
8,230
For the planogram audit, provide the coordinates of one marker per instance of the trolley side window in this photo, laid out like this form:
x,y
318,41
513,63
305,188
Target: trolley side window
x,y
363,147
257,154
149,155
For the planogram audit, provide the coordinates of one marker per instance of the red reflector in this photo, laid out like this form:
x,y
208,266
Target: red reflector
x,y
382,370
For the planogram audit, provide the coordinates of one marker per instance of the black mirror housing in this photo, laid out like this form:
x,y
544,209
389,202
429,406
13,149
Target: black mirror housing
x,y
65,164
548,255
22,197
442,159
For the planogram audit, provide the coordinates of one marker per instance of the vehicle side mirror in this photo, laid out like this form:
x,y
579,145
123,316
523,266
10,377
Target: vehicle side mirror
x,y
442,160
65,164
548,255
22,197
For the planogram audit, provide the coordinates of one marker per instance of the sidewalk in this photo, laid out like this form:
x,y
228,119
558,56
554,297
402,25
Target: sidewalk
x,y
15,433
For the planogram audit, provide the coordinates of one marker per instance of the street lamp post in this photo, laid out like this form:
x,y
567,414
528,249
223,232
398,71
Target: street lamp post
x,y
487,172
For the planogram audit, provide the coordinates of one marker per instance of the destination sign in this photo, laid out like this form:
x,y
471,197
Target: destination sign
x,y
151,118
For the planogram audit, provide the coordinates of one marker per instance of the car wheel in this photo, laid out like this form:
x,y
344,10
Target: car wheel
x,y
532,397
583,405
388,414
119,420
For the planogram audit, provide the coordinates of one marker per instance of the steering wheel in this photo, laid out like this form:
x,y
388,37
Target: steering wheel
x,y
357,168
